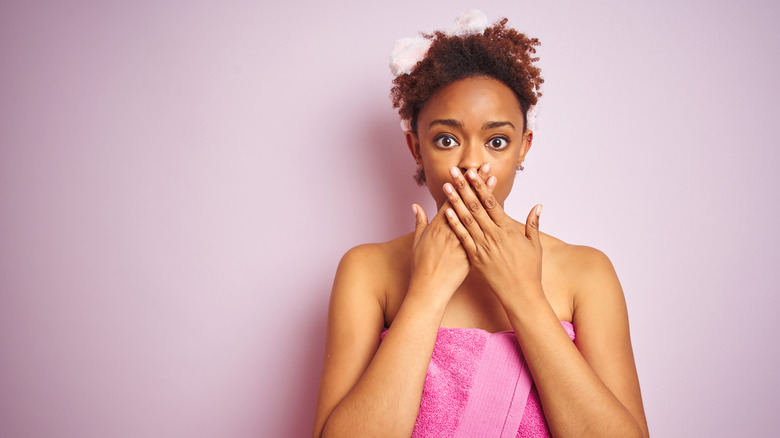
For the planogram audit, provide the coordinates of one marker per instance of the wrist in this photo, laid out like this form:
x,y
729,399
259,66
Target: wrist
x,y
522,297
428,296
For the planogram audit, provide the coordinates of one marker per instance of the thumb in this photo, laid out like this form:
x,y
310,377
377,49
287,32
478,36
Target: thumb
x,y
422,222
532,225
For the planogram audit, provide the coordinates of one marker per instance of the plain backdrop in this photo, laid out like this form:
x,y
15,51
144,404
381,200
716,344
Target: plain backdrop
x,y
179,179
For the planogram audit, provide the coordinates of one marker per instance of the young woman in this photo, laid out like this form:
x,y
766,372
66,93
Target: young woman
x,y
466,327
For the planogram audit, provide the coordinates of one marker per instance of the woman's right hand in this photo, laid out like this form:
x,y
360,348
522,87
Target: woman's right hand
x,y
439,262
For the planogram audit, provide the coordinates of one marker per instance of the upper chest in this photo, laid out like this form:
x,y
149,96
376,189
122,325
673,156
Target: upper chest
x,y
474,305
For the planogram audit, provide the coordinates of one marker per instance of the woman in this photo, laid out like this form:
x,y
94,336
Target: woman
x,y
479,309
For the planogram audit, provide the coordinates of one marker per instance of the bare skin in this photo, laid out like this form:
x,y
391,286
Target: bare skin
x,y
474,266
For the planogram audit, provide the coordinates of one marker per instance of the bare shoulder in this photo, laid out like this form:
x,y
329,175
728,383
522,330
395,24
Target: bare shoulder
x,y
586,268
590,264
598,306
372,271
597,283
354,283
573,275
361,260
377,262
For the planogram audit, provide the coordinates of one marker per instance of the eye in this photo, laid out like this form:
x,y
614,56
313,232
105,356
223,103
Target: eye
x,y
498,143
445,141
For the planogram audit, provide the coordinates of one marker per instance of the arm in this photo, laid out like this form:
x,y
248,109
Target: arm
x,y
590,389
593,391
372,389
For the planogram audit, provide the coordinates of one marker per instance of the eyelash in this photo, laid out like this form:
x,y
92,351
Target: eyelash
x,y
505,145
437,142
438,139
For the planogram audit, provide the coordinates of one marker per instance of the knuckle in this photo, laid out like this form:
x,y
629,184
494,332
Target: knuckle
x,y
468,220
490,202
473,205
461,183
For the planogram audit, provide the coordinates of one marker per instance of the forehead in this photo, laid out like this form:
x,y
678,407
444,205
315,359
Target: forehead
x,y
477,100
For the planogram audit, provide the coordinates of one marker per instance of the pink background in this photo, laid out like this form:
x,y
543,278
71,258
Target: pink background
x,y
178,181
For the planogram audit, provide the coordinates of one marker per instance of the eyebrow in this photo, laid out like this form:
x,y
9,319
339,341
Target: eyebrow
x,y
448,122
457,124
492,125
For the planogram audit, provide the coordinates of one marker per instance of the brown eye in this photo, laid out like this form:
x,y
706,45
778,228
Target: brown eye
x,y
498,143
445,141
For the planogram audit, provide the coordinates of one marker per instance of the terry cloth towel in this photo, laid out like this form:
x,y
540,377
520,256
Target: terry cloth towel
x,y
478,385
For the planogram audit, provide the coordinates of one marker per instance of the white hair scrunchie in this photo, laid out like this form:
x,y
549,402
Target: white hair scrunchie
x,y
407,52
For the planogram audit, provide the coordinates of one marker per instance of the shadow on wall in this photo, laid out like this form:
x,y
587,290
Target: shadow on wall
x,y
392,170
293,413
388,173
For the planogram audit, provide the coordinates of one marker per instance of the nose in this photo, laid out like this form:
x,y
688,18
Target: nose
x,y
472,156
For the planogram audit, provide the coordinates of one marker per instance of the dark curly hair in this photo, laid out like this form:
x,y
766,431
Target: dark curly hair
x,y
500,52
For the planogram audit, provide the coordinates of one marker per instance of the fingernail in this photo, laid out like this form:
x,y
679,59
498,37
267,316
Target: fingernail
x,y
414,209
472,174
538,210
491,181
454,172
486,168
450,213
448,188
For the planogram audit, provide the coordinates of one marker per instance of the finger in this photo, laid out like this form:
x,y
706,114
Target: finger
x,y
484,174
532,225
484,193
421,222
491,182
467,204
464,210
461,232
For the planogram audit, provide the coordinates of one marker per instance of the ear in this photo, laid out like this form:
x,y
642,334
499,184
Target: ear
x,y
413,143
525,146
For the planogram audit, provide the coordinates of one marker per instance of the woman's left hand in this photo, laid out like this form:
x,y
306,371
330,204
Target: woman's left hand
x,y
506,253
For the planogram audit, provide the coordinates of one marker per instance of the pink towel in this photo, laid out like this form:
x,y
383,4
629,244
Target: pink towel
x,y
478,385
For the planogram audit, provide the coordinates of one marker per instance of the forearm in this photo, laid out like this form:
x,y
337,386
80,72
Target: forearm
x,y
386,399
576,401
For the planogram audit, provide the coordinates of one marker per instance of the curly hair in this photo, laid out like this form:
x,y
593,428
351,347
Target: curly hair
x,y
500,52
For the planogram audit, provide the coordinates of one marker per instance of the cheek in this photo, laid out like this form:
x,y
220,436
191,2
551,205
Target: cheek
x,y
435,181
437,169
506,180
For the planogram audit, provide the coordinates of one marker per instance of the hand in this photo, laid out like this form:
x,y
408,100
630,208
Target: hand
x,y
439,262
507,253
427,246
